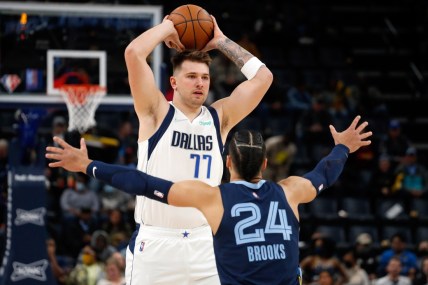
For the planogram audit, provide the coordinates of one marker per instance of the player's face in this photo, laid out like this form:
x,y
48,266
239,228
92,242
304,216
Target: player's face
x,y
192,83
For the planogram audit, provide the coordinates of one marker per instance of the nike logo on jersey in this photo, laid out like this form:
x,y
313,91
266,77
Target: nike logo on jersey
x,y
93,171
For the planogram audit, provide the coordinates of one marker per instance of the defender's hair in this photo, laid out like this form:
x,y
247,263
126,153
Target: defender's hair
x,y
192,55
247,151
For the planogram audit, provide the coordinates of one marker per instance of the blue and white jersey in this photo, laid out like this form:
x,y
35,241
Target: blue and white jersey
x,y
258,233
180,150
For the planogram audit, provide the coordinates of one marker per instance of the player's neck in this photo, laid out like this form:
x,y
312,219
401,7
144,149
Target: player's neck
x,y
254,180
191,112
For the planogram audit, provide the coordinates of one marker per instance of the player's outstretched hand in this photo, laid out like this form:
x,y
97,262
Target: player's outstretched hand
x,y
354,136
68,157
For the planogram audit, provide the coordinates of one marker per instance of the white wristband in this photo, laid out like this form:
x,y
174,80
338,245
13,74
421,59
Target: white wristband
x,y
251,67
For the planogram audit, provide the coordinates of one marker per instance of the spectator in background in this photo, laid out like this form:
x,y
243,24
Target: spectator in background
x,y
247,43
130,156
342,104
225,76
77,233
113,273
382,179
118,229
298,99
323,259
272,106
280,153
393,277
395,143
89,271
411,176
314,130
111,198
120,259
56,178
422,251
356,275
59,272
30,143
77,197
408,260
422,276
100,243
127,142
59,128
366,255
325,277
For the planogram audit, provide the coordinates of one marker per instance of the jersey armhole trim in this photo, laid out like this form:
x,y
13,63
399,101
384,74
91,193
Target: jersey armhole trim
x,y
217,127
153,141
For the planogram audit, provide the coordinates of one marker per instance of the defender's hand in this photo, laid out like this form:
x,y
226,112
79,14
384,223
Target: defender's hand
x,y
353,137
68,157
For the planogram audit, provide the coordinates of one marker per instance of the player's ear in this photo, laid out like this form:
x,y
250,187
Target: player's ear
x,y
228,161
173,82
264,164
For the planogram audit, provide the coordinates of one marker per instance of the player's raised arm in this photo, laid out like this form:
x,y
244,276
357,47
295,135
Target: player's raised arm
x,y
327,171
125,178
148,99
182,194
247,95
187,193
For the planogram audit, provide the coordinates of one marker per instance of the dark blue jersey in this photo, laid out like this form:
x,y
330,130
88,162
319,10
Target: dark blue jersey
x,y
257,241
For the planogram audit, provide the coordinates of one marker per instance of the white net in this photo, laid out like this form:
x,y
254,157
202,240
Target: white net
x,y
82,101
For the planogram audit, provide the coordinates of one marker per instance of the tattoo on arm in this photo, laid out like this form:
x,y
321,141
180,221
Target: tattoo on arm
x,y
234,52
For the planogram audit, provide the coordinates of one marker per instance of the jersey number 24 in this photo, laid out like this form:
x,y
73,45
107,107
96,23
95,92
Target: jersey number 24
x,y
258,235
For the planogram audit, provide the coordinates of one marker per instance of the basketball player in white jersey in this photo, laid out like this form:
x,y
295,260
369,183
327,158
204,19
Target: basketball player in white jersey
x,y
180,140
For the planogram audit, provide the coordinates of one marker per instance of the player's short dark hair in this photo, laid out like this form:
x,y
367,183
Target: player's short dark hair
x,y
247,151
192,55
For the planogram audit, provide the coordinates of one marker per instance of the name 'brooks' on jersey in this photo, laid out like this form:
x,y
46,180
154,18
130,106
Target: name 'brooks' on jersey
x,y
180,150
258,233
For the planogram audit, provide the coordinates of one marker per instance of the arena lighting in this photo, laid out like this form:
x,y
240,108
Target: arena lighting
x,y
23,27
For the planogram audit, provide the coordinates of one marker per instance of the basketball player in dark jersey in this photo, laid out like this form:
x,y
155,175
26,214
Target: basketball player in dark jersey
x,y
255,222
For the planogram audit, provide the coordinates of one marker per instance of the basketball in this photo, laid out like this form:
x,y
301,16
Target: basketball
x,y
194,25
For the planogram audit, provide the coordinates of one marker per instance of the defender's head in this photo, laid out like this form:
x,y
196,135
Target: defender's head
x,y
247,154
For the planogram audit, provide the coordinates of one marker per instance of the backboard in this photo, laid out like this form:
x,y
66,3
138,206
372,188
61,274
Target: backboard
x,y
46,44
75,66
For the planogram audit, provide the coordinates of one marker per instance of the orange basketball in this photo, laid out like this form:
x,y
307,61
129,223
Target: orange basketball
x,y
194,25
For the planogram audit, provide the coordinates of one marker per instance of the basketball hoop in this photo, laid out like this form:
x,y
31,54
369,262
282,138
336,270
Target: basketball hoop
x,y
82,101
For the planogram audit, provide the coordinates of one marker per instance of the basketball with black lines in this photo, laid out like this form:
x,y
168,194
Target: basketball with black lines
x,y
194,25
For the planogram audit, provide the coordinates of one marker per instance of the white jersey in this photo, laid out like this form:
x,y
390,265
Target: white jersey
x,y
180,150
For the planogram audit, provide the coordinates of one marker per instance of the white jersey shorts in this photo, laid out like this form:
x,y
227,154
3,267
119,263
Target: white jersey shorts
x,y
172,256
